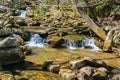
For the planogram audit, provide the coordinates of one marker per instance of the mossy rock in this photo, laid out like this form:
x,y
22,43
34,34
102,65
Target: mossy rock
x,y
56,41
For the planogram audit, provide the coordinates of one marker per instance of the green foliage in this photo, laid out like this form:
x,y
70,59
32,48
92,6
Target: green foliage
x,y
40,11
17,3
116,8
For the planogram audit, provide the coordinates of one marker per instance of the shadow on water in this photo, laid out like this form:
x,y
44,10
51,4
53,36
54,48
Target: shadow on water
x,y
26,65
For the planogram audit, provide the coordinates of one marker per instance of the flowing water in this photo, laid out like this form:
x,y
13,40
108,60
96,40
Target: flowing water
x,y
23,14
36,41
81,44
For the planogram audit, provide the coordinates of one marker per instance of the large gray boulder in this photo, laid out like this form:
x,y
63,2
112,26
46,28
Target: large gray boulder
x,y
11,56
76,65
9,42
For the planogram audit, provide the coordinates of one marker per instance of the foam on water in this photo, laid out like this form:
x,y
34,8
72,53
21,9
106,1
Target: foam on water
x,y
91,42
36,41
81,44
23,14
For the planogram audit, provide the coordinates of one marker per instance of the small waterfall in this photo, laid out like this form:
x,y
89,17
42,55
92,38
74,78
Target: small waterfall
x,y
89,42
23,14
72,44
81,44
36,41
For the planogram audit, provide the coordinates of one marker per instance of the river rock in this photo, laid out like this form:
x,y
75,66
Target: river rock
x,y
99,75
11,56
86,62
56,41
115,77
7,77
19,39
116,39
9,42
67,74
5,32
87,70
83,76
54,68
15,12
47,64
21,22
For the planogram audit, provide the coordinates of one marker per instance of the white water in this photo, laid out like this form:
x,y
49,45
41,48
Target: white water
x,y
81,44
36,41
23,14
90,42
71,44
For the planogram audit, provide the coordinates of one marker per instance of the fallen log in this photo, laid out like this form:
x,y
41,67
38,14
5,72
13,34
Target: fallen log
x,y
97,30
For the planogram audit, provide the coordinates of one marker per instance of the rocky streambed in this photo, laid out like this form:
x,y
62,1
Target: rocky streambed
x,y
56,46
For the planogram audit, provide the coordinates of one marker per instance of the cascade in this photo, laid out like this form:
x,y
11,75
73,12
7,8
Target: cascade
x,y
81,44
72,44
23,14
36,41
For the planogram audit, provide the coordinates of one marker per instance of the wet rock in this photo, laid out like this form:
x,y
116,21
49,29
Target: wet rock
x,y
99,75
87,62
15,12
87,70
54,68
46,65
83,76
9,42
30,13
5,32
19,39
21,22
7,77
116,40
67,74
77,64
112,40
11,56
56,41
115,77
35,23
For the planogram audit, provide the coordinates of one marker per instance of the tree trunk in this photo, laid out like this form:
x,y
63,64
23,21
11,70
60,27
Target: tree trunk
x,y
89,21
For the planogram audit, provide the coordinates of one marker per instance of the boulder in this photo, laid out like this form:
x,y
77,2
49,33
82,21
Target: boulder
x,y
67,74
5,32
54,68
15,12
19,39
115,77
56,41
21,22
99,75
87,70
11,56
83,76
7,76
116,40
9,42
76,65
